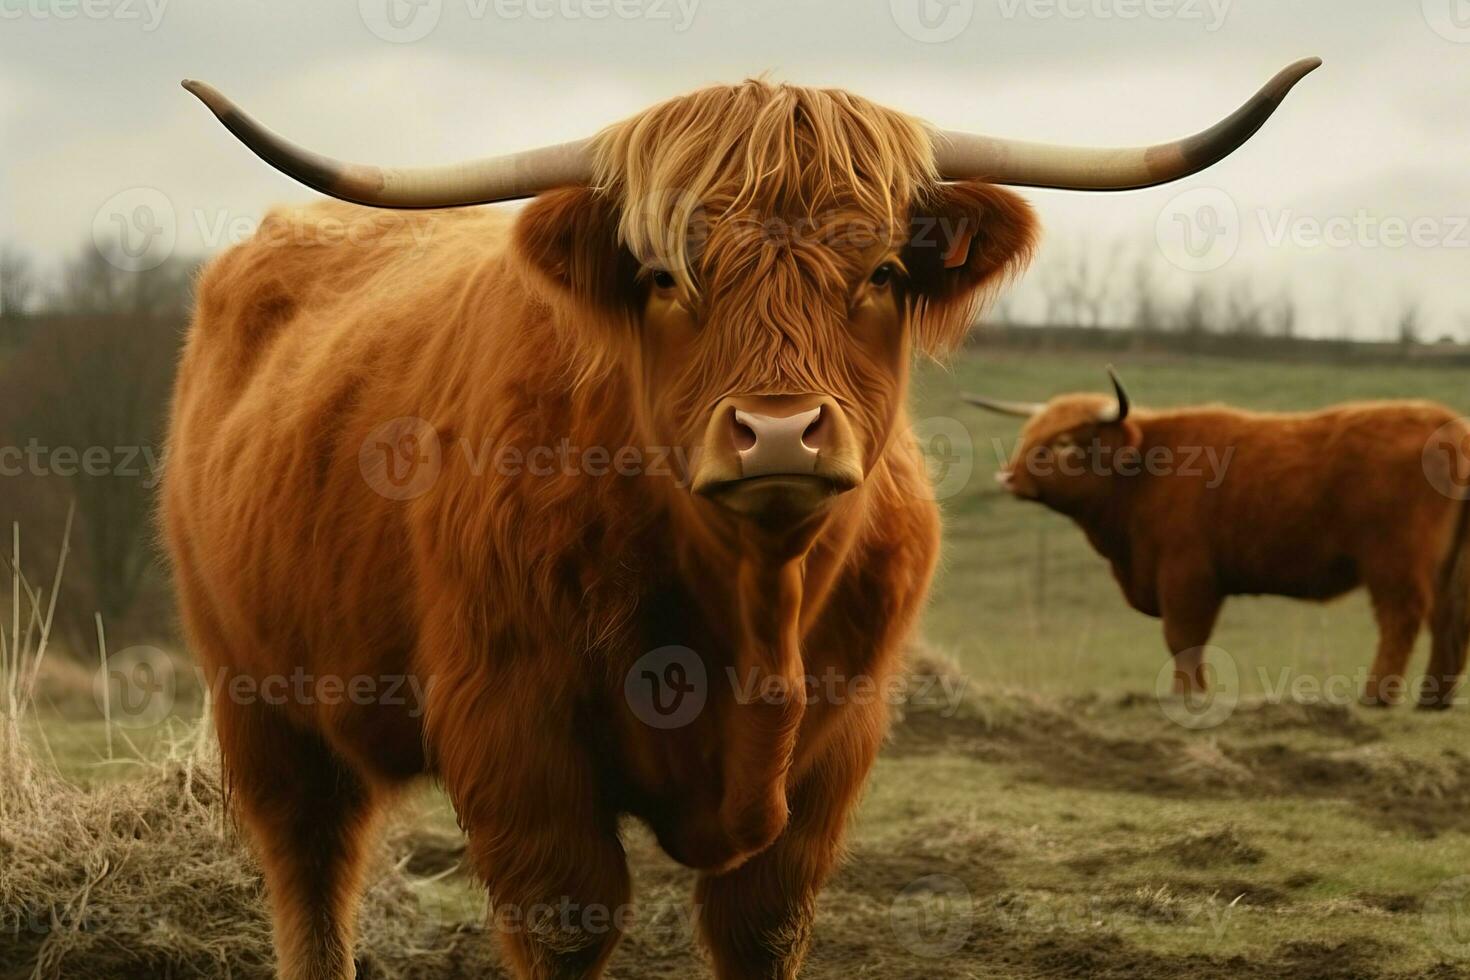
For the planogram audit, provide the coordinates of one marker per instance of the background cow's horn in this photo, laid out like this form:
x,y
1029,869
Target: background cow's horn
x,y
1118,412
502,178
1020,409
969,156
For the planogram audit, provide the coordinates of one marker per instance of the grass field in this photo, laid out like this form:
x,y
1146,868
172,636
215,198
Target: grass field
x,y
1061,821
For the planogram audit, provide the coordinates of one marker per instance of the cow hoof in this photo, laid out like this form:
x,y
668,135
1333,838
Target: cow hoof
x,y
1435,705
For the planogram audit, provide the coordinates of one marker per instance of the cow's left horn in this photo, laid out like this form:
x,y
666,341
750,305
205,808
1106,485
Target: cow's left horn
x,y
1118,412
502,178
969,156
1019,409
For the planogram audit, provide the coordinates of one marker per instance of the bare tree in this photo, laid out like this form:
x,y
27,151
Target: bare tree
x,y
19,285
1409,328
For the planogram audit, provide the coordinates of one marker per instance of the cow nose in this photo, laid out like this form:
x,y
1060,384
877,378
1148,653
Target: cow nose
x,y
769,453
778,444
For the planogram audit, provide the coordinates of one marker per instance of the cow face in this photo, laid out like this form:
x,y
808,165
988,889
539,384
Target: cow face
x,y
1071,449
766,313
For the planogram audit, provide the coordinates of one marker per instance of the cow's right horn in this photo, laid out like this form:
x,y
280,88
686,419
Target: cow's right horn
x,y
972,156
1019,409
502,178
1118,412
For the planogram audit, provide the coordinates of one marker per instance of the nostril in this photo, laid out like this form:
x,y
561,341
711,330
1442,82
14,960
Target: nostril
x,y
741,434
815,434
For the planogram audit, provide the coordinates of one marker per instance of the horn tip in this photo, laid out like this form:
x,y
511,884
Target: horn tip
x,y
207,94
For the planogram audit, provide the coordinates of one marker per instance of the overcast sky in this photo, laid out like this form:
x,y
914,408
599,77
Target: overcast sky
x,y
1355,197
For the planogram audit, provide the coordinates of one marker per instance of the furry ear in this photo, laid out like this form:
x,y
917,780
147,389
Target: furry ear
x,y
965,242
570,237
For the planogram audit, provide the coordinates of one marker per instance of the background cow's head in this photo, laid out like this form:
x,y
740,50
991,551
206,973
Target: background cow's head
x,y
763,259
1071,448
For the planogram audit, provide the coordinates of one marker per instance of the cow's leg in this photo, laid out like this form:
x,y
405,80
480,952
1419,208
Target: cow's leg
x,y
1399,609
311,818
1450,633
756,920
1189,607
525,790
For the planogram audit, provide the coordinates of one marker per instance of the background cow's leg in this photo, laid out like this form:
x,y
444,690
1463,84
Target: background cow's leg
x,y
526,792
1449,624
1189,608
1400,608
756,920
311,817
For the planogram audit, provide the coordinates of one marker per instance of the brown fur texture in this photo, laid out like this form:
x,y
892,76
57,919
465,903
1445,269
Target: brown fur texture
x,y
1196,504
521,600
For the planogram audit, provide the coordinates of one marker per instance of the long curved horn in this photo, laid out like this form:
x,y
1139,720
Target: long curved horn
x,y
502,178
1118,412
969,156
1019,409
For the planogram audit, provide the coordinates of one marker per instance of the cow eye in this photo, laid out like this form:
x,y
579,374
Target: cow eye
x,y
882,276
663,279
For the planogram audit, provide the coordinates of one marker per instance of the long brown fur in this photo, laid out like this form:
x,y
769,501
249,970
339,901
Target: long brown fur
x,y
1308,505
521,602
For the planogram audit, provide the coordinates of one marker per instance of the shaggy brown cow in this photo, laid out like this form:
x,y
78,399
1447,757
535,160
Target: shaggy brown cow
x,y
1195,504
639,446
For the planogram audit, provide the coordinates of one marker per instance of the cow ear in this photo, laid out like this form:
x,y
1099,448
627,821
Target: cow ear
x,y
965,242
569,237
